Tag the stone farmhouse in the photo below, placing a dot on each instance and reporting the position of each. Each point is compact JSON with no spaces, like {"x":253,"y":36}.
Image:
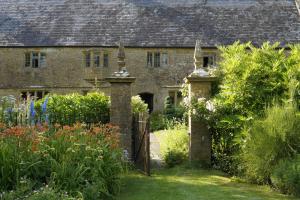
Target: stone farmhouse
{"x":66,"y":46}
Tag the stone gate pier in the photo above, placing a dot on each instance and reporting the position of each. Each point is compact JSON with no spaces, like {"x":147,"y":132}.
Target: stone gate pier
{"x":120,"y":110}
{"x":199,"y":84}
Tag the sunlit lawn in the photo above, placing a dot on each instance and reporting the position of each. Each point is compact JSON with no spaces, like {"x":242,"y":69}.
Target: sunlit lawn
{"x":191,"y":184}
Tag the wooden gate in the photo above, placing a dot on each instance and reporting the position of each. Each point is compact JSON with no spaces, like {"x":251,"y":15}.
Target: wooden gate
{"x":141,"y":142}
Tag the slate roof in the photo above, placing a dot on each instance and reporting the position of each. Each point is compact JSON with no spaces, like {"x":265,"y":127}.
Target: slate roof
{"x":147,"y":23}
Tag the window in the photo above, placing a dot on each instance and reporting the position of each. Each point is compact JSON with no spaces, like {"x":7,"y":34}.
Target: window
{"x":208,"y":61}
{"x":97,"y":59}
{"x":88,"y":59}
{"x":165,"y":59}
{"x":149,"y":59}
{"x":27,"y":59}
{"x":35,"y":59}
{"x":105,"y":60}
{"x":39,"y":94}
{"x":42,"y":59}
{"x":175,"y":97}
{"x":93,"y":58}
{"x":157,"y":59}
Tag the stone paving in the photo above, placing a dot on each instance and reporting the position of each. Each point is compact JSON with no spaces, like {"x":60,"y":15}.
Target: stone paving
{"x":156,"y":159}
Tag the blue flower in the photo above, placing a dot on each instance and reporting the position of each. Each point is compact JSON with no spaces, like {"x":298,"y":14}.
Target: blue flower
{"x":32,"y":110}
{"x":44,"y":106}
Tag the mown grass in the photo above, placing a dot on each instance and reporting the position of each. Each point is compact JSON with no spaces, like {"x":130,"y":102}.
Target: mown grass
{"x":183,"y":183}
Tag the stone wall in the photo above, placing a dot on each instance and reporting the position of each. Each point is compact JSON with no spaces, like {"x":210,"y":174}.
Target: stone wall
{"x":65,"y":71}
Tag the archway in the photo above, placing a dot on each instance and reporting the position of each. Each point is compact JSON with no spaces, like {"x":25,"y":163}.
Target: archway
{"x":148,"y":99}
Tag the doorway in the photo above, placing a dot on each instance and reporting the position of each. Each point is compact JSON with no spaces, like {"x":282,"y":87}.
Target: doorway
{"x":148,"y":99}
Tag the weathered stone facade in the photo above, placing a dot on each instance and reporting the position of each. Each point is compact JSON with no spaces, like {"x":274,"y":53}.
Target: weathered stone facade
{"x":65,"y":71}
{"x":64,"y":30}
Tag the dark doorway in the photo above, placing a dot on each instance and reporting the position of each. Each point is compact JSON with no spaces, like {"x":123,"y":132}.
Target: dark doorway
{"x":148,"y":99}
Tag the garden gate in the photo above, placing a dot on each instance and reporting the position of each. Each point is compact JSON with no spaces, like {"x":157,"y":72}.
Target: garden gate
{"x":141,"y":142}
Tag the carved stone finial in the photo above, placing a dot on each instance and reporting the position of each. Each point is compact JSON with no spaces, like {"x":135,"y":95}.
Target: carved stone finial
{"x":121,"y":62}
{"x":121,"y":56}
{"x":198,"y":55}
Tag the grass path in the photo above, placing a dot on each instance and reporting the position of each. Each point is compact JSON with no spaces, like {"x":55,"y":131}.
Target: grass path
{"x":191,"y":184}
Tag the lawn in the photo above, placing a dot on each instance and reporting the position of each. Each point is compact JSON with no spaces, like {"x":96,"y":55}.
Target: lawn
{"x":183,"y":183}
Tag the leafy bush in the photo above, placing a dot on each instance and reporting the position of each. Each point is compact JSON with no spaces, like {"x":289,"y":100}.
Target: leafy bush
{"x":286,"y":176}
{"x":138,"y":105}
{"x":173,"y":112}
{"x":71,"y":159}
{"x":251,"y":79}
{"x":159,"y":121}
{"x":69,"y":109}
{"x":174,"y":145}
{"x":269,"y":141}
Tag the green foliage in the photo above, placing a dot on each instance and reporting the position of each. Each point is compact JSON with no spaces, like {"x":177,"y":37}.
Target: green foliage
{"x":270,"y":140}
{"x":171,"y":111}
{"x":174,"y":145}
{"x":169,"y":118}
{"x":251,"y":79}
{"x":69,"y":109}
{"x":286,"y":176}
{"x":72,"y":159}
{"x":138,"y":105}
{"x":159,"y":121}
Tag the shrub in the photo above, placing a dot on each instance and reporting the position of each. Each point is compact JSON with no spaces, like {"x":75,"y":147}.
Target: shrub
{"x":286,"y":176}
{"x":159,"y":121}
{"x":269,"y":141}
{"x":69,"y":109}
{"x":138,"y":105}
{"x":250,"y":79}
{"x":174,"y":145}
{"x":71,"y":159}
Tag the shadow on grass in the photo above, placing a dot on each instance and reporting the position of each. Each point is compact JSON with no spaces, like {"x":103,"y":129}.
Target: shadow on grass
{"x":191,"y":184}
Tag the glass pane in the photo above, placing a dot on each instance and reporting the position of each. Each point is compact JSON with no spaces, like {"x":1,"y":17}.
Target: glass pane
{"x":97,"y":60}
{"x":43,"y":60}
{"x":35,"y":60}
{"x":164,"y":59}
{"x":88,"y":59}
{"x":105,"y":60}
{"x":27,"y":59}
{"x":149,"y":59}
{"x":157,"y":60}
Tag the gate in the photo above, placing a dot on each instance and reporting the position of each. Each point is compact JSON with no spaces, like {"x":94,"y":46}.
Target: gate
{"x":141,"y":142}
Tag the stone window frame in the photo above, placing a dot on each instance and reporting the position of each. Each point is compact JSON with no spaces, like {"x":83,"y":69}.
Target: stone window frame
{"x":28,"y":61}
{"x":163,"y":56}
{"x":175,"y":96}
{"x":105,"y":57}
{"x":93,"y":61}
